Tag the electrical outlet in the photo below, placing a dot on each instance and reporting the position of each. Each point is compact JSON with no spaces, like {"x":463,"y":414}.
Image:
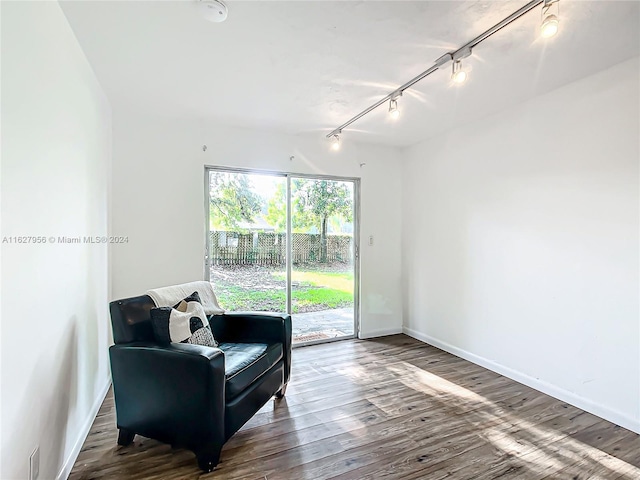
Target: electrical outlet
{"x":34,"y":464}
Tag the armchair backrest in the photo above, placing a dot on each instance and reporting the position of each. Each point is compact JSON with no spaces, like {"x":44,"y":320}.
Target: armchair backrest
{"x":131,"y":320}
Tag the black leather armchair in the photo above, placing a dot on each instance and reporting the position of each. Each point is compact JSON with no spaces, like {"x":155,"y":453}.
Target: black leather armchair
{"x":193,"y":396}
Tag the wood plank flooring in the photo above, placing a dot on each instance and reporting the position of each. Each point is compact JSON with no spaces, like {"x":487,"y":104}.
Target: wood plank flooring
{"x":391,"y":408}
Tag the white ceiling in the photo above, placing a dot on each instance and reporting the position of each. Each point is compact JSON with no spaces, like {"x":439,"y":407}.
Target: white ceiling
{"x":305,"y":66}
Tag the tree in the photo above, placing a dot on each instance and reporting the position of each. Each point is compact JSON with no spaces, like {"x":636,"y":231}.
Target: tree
{"x":232,"y":200}
{"x":319,"y":200}
{"x":277,"y":209}
{"x":276,"y":214}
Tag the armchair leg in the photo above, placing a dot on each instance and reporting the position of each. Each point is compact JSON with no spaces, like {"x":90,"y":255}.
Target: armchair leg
{"x":280,"y":393}
{"x":125,"y":437}
{"x":208,"y":457}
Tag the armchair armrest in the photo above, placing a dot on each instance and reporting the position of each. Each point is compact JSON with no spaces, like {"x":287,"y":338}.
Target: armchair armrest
{"x":255,"y":327}
{"x":173,"y":392}
{"x":251,"y":327}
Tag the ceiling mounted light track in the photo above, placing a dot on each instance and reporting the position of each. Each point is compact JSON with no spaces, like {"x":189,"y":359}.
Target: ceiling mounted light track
{"x":458,"y":74}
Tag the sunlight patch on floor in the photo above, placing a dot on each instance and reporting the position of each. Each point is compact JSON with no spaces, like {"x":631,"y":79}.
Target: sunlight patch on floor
{"x":496,"y":427}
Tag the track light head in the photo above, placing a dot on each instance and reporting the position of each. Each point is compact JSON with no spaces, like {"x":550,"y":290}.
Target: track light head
{"x":550,"y":22}
{"x":393,"y":109}
{"x":549,"y":26}
{"x":458,"y":75}
{"x":335,"y":143}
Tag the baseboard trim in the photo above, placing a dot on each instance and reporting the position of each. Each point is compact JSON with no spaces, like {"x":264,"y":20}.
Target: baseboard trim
{"x":544,"y":387}
{"x":84,"y":432}
{"x":380,"y":333}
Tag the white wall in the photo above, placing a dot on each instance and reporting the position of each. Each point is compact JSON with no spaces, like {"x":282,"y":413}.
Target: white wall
{"x":158,"y":202}
{"x":55,"y":164}
{"x":520,"y":243}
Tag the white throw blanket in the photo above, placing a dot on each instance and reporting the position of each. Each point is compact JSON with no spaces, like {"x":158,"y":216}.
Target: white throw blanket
{"x":169,"y":296}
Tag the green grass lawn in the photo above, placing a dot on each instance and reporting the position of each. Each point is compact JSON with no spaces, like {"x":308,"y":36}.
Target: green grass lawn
{"x":311,"y":291}
{"x":340,"y":281}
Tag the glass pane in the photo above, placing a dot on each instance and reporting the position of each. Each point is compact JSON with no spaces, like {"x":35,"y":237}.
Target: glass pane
{"x":322,"y":283}
{"x":247,"y":244}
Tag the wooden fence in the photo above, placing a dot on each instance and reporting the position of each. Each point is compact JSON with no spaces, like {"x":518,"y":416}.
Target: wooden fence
{"x":265,"y":248}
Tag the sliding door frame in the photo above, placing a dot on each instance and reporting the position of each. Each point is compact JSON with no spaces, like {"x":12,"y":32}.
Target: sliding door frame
{"x":288,"y":176}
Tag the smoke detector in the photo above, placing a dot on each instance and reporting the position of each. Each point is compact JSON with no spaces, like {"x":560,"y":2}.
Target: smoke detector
{"x":213,"y":10}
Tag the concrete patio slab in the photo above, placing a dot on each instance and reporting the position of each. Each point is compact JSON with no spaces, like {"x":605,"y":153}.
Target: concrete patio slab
{"x":333,"y":323}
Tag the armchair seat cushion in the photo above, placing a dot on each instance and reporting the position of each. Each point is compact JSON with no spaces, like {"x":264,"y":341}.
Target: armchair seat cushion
{"x":245,"y":362}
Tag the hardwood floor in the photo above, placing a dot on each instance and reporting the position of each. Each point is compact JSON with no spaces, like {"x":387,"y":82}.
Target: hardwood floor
{"x":390,"y":408}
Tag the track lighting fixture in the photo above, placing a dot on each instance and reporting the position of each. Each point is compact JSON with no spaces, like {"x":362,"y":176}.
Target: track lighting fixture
{"x":393,"y":109}
{"x":548,"y":28}
{"x":458,"y":75}
{"x":550,"y":23}
{"x":335,"y":142}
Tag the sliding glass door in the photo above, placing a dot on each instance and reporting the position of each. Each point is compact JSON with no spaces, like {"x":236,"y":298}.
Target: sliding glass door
{"x":285,"y":243}
{"x":322,"y":258}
